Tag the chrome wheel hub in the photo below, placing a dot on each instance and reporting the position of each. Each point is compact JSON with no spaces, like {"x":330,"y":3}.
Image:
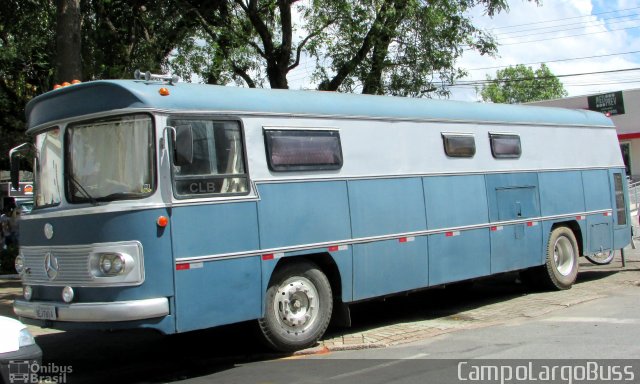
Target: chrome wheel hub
{"x":563,"y":256}
{"x":296,"y":305}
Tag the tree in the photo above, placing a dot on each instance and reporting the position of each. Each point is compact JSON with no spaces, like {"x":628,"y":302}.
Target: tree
{"x":39,"y":47}
{"x":120,"y":36}
{"x":521,"y":84}
{"x":247,"y":41}
{"x":68,"y":40}
{"x":400,"y":47}
{"x":27,"y":46}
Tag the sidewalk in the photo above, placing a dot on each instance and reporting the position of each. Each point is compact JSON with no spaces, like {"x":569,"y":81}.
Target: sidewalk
{"x":528,"y":305}
{"x":594,"y":282}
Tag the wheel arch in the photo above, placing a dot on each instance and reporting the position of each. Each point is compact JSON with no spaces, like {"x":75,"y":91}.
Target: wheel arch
{"x":577,"y":232}
{"x":325,"y":262}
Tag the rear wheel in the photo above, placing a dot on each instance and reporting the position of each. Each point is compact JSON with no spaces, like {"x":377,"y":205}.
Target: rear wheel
{"x":298,"y":307}
{"x":561,"y":266}
{"x":601,"y":258}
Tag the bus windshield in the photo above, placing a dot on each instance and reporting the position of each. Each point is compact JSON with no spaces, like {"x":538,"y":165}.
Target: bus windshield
{"x":110,"y":159}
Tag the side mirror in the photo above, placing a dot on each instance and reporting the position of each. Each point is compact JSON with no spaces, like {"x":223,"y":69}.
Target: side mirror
{"x":15,"y":172}
{"x":14,"y":158}
{"x":183,"y":145}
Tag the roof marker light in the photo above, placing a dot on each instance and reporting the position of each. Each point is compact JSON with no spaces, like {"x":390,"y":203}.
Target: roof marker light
{"x":164,"y":91}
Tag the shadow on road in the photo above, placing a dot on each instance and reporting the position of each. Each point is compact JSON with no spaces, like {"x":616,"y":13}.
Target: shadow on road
{"x":144,"y":356}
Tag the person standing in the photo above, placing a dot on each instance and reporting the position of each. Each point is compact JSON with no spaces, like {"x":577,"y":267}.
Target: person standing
{"x":5,"y":231}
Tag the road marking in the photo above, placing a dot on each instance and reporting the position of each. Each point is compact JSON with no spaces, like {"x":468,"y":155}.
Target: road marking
{"x":377,"y":367}
{"x":594,"y":320}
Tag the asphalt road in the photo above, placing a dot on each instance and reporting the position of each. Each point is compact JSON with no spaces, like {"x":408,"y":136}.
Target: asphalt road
{"x":604,"y":328}
{"x":597,"y":337}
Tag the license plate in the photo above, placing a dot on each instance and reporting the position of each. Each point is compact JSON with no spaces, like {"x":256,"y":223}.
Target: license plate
{"x":46,"y":312}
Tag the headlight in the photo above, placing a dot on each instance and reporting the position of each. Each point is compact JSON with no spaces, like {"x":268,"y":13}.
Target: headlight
{"x":19,"y":264}
{"x":116,"y":264}
{"x":113,"y":264}
{"x":25,"y":338}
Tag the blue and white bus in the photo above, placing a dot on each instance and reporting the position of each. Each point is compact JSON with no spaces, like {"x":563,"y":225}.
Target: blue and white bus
{"x":179,"y":206}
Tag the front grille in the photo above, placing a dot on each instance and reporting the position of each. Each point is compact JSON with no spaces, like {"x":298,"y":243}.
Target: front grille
{"x":73,"y":265}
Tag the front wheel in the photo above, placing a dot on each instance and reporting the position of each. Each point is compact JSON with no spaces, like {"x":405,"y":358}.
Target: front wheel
{"x":298,"y":307}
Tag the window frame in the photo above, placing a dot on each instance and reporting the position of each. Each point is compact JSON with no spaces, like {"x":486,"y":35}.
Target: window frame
{"x":171,"y":149}
{"x":620,"y":211}
{"x":268,"y":139}
{"x":445,"y":140}
{"x":504,"y":135}
{"x":36,"y":166}
{"x":152,"y":158}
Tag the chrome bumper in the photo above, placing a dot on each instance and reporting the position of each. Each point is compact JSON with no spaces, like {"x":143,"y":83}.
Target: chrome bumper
{"x":97,"y":312}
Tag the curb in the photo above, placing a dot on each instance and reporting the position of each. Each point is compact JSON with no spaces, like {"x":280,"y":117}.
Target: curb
{"x":529,"y":306}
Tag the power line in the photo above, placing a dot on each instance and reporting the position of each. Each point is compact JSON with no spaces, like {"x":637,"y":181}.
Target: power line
{"x":558,"y":60}
{"x":507,"y":36}
{"x":583,"y":23}
{"x":490,"y":81}
{"x":566,"y":18}
{"x":564,"y":37}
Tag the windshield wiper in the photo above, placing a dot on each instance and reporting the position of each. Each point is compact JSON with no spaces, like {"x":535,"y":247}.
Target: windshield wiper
{"x":118,"y":195}
{"x":80,"y":188}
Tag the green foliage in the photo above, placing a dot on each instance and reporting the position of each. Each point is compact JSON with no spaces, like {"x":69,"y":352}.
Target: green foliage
{"x":521,"y":84}
{"x":120,"y":36}
{"x":27,"y":44}
{"x":397,"y":47}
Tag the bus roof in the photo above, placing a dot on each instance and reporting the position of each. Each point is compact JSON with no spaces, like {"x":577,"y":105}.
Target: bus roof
{"x":106,"y":95}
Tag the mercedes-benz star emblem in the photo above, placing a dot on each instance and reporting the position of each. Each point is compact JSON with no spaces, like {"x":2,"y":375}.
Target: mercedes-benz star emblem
{"x":51,"y":265}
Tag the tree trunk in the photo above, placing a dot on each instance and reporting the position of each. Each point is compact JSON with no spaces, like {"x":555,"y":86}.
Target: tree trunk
{"x":68,"y":42}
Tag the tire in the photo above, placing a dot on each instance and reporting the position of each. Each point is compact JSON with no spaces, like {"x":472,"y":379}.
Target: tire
{"x":298,"y":307}
{"x":560,"y":269}
{"x":601,"y":258}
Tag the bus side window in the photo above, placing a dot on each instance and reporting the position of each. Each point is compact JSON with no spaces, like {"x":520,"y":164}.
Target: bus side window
{"x":459,"y":144}
{"x":303,"y":150}
{"x":505,"y":145}
{"x":217,"y":166}
{"x":620,"y":205}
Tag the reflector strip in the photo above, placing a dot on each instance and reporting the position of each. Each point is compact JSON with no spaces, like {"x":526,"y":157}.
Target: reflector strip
{"x":607,"y":213}
{"x":497,"y":228}
{"x":271,"y":256}
{"x":406,"y":239}
{"x":532,"y":223}
{"x":336,"y":248}
{"x":453,"y":233}
{"x":580,"y":217}
{"x":182,"y":267}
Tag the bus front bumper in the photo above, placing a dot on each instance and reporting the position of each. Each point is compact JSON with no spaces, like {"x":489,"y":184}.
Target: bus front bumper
{"x":93,"y":312}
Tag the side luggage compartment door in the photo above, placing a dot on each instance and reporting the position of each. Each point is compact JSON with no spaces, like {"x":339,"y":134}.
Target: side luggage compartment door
{"x":515,"y":242}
